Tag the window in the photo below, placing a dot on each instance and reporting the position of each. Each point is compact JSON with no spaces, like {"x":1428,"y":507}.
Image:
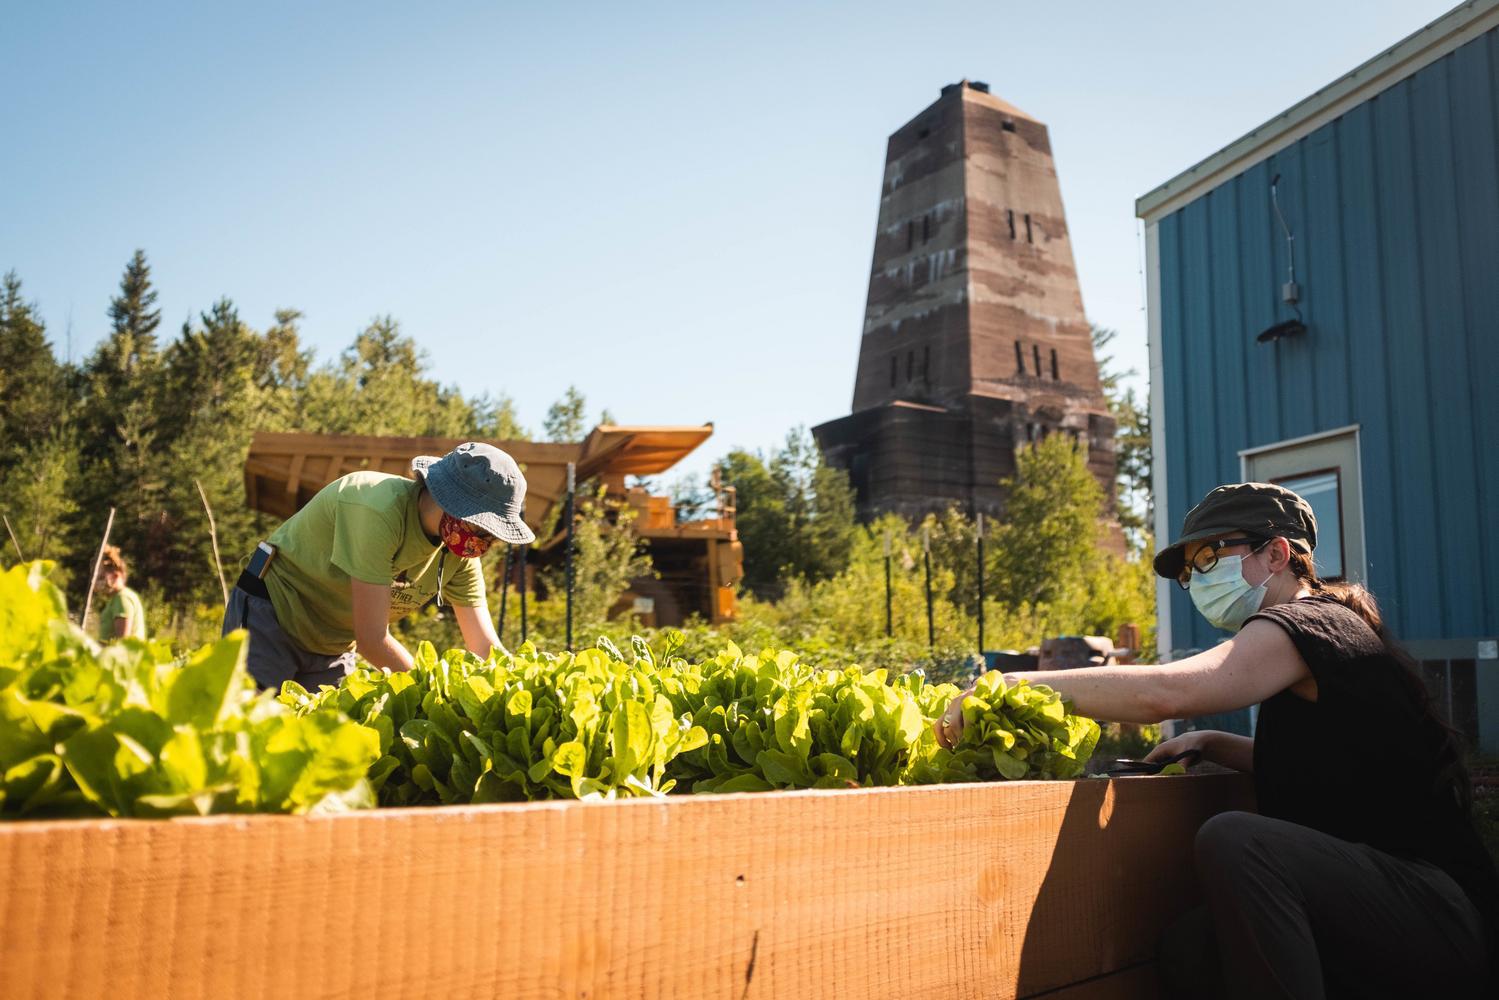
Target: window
{"x":1036,"y":353}
{"x":926,"y":228}
{"x":1055,"y":375}
{"x":1028,"y":238}
{"x":1323,"y":469}
{"x":1010,"y":217}
{"x":926,"y":364}
{"x":923,"y":133}
{"x":1007,"y":125}
{"x":910,"y":234}
{"x":1019,"y":359}
{"x":1321,"y":490}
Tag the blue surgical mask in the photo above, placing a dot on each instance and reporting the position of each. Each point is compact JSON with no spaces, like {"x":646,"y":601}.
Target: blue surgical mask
{"x":1223,"y":596}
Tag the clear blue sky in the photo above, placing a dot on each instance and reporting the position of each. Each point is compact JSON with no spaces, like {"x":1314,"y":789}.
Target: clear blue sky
{"x":671,"y":206}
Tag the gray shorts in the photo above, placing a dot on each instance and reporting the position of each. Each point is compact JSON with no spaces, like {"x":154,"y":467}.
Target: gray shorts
{"x":273,"y":656}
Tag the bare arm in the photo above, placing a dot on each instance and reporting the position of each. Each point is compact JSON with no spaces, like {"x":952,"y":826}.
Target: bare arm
{"x":121,"y":626}
{"x":478,"y":630}
{"x":1258,"y":663}
{"x":372,"y":636}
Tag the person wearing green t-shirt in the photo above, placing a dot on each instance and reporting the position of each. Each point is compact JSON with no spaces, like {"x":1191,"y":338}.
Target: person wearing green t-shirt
{"x":369,"y":549}
{"x":123,"y":616}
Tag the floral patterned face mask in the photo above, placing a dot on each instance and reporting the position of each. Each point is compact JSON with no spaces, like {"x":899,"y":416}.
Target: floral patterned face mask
{"x":462,"y":540}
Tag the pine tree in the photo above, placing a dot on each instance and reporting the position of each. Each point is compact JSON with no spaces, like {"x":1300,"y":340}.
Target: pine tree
{"x":795,"y":514}
{"x":1050,"y":534}
{"x":32,"y":383}
{"x":494,"y":419}
{"x":118,"y":375}
{"x":118,"y":423}
{"x":564,"y":420}
{"x":131,"y":316}
{"x":1135,"y":508}
{"x":380,"y":386}
{"x":38,"y":462}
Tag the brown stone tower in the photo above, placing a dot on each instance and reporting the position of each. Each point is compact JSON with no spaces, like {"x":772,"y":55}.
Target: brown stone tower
{"x":975,"y":342}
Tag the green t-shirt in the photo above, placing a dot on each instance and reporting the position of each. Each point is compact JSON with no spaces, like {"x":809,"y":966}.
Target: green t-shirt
{"x":364,"y":526}
{"x":125,"y":604}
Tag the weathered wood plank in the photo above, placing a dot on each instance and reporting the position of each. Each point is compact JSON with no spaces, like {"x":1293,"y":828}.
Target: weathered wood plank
{"x":946,"y":892}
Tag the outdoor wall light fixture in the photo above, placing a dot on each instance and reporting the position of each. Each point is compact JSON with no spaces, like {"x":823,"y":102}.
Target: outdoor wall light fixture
{"x":1290,"y":292}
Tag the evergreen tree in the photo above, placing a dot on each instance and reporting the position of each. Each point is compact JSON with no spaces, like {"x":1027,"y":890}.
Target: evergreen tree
{"x":1135,"y":508}
{"x":1049,"y":537}
{"x":795,"y":514}
{"x":380,"y":386}
{"x":819,"y":506}
{"x":494,"y":419}
{"x":37,"y":495}
{"x":38,"y":464}
{"x":219,"y":386}
{"x":131,"y":315}
{"x":281,"y":373}
{"x":32,"y":383}
{"x":564,"y":420}
{"x":118,"y":374}
{"x":117,"y":423}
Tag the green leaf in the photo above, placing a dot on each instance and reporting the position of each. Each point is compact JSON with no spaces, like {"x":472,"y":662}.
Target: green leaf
{"x":198,"y":693}
{"x":569,"y":759}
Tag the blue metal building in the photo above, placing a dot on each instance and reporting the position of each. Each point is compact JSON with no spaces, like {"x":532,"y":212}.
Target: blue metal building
{"x":1384,"y":410}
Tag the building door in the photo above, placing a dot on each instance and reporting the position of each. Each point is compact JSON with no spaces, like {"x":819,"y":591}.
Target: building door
{"x":1324,"y":470}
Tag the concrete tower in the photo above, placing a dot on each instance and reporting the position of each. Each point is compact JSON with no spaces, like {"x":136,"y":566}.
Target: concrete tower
{"x":975,"y":343}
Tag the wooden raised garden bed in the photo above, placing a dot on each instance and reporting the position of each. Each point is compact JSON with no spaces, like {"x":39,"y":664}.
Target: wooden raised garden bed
{"x":996,"y":890}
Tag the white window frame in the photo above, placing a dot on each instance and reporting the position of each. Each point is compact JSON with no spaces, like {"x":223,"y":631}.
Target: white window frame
{"x":1355,"y":571}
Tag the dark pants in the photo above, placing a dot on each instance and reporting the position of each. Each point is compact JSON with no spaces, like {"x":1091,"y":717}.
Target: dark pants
{"x":272,"y":656}
{"x":1292,"y":912}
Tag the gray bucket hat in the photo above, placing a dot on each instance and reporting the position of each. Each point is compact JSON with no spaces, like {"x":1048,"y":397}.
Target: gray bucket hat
{"x":481,"y":486}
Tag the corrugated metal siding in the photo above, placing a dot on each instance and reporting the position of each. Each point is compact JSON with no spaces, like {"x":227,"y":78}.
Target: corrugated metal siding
{"x":1395,"y":208}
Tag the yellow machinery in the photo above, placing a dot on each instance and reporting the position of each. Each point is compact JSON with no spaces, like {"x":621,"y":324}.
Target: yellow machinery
{"x":697,"y":562}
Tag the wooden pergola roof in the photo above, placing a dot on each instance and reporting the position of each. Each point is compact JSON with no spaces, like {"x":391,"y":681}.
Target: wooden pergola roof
{"x":284,"y":471}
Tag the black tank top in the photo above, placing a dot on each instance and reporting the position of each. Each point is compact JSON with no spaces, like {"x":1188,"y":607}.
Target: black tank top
{"x":1363,"y":762}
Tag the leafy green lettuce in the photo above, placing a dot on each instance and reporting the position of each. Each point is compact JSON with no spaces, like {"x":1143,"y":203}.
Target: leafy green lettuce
{"x":603,"y":724}
{"x":127,"y":730}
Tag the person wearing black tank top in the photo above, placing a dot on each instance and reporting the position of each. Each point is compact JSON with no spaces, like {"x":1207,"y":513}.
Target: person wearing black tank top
{"x":1361,"y":874}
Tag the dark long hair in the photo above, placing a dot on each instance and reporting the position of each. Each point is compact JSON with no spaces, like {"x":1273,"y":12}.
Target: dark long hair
{"x":1451,"y":772}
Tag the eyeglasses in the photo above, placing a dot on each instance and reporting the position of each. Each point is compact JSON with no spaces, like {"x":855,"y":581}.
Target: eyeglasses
{"x":1207,"y":557}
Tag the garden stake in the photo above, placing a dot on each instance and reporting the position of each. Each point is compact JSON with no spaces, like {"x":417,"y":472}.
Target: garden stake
{"x":926,"y":555}
{"x":88,"y":598}
{"x":571,"y":530}
{"x":981,"y":582}
{"x":505,"y":589}
{"x":11,"y":531}
{"x":521,"y":584}
{"x":213,"y":536}
{"x":888,"y":630}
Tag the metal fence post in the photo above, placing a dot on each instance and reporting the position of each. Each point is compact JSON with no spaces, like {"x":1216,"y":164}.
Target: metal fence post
{"x":521,"y":584}
{"x":981,"y":581}
{"x":926,"y":554}
{"x":571,"y":531}
{"x":505,"y":588}
{"x":889,"y":620}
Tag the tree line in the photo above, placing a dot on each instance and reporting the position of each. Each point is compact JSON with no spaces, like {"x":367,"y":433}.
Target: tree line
{"x":142,"y":420}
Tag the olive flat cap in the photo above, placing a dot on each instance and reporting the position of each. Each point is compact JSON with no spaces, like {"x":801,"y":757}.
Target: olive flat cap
{"x":1261,"y":509}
